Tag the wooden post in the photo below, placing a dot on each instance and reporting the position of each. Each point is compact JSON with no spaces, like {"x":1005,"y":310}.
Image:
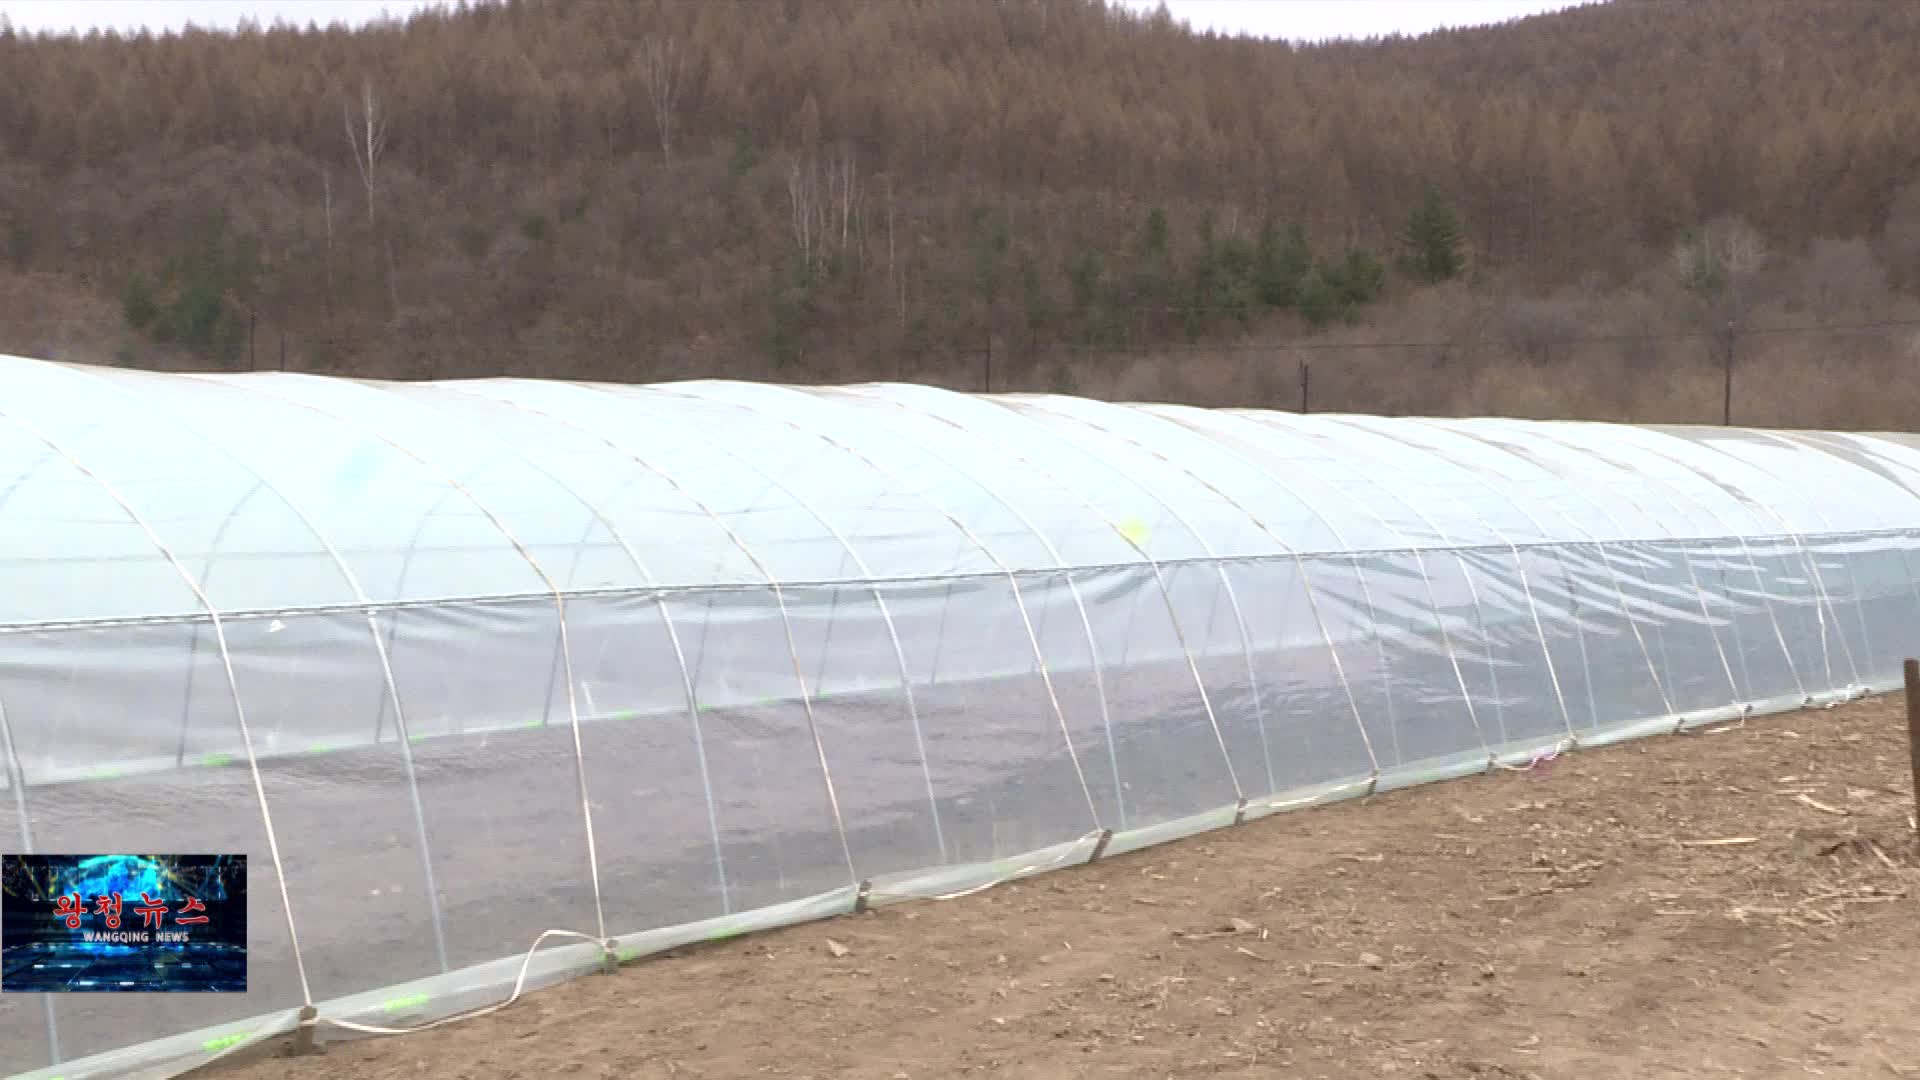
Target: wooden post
{"x":1913,"y":731}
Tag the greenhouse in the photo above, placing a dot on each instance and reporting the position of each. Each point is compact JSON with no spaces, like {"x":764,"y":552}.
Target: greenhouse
{"x":467,"y":668}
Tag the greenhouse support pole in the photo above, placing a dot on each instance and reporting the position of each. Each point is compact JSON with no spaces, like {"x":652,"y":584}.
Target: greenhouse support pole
{"x":17,"y":780}
{"x":1013,"y":581}
{"x":699,"y":750}
{"x":193,"y":646}
{"x":1173,"y":615}
{"x":232,"y":679}
{"x":413,"y":789}
{"x":186,"y":700}
{"x":691,"y":677}
{"x":1073,"y":590}
{"x":1466,"y":572}
{"x":399,"y":587}
{"x":1753,"y":564}
{"x":307,"y":1016}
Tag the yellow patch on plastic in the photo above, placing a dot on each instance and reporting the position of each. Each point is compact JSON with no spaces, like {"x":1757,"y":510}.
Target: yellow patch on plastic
{"x":1135,"y":531}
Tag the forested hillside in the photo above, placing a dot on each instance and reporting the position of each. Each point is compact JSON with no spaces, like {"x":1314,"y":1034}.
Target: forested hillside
{"x":847,"y":189}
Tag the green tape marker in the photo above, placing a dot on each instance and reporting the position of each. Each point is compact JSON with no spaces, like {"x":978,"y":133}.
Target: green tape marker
{"x":408,"y":1002}
{"x":531,"y":723}
{"x":104,"y":773}
{"x":627,"y":714}
{"x":216,"y":760}
{"x":215,"y":1045}
{"x":722,"y":935}
{"x":627,"y":956}
{"x":416,"y":738}
{"x":320,"y":748}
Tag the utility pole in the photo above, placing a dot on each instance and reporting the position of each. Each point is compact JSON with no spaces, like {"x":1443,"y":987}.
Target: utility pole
{"x":1726,"y":402}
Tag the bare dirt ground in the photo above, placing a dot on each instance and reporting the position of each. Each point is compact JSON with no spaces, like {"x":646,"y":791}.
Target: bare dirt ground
{"x":1737,"y":902}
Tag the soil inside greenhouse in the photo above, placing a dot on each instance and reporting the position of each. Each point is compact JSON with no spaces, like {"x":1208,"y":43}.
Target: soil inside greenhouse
{"x":1739,"y":901}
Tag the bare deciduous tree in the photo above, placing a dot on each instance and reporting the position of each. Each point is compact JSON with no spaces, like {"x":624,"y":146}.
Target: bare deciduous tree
{"x":826,"y":202}
{"x":660,"y":61}
{"x":843,"y":180}
{"x":894,"y":278}
{"x":803,"y":197}
{"x":1718,"y":264}
{"x":367,"y":136}
{"x":326,"y":208}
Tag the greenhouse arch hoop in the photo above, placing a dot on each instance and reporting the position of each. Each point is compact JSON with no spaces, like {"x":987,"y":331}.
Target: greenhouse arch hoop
{"x":463,"y":666}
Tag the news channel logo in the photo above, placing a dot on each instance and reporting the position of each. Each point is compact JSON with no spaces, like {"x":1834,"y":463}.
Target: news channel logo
{"x":123,"y":923}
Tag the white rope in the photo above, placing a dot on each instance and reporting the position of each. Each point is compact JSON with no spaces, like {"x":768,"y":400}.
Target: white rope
{"x":519,"y":987}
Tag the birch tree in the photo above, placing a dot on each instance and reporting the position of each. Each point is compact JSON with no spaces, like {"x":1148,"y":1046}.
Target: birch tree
{"x":367,"y":137}
{"x":661,"y":66}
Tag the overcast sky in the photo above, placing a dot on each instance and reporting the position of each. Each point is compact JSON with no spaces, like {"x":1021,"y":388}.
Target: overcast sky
{"x":1298,"y":19}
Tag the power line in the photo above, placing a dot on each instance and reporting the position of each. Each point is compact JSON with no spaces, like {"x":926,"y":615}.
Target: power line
{"x":1042,"y":342}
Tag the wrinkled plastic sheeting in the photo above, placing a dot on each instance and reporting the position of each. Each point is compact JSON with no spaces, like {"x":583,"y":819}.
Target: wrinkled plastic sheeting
{"x":755,"y":758}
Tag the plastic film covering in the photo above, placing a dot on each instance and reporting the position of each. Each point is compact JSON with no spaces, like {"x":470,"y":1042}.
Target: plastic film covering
{"x":460,"y":664}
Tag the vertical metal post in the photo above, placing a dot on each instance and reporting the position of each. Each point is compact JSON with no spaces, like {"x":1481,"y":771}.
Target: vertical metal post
{"x":1306,"y":372}
{"x":1913,"y":732}
{"x":16,"y":774}
{"x":1726,"y":403}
